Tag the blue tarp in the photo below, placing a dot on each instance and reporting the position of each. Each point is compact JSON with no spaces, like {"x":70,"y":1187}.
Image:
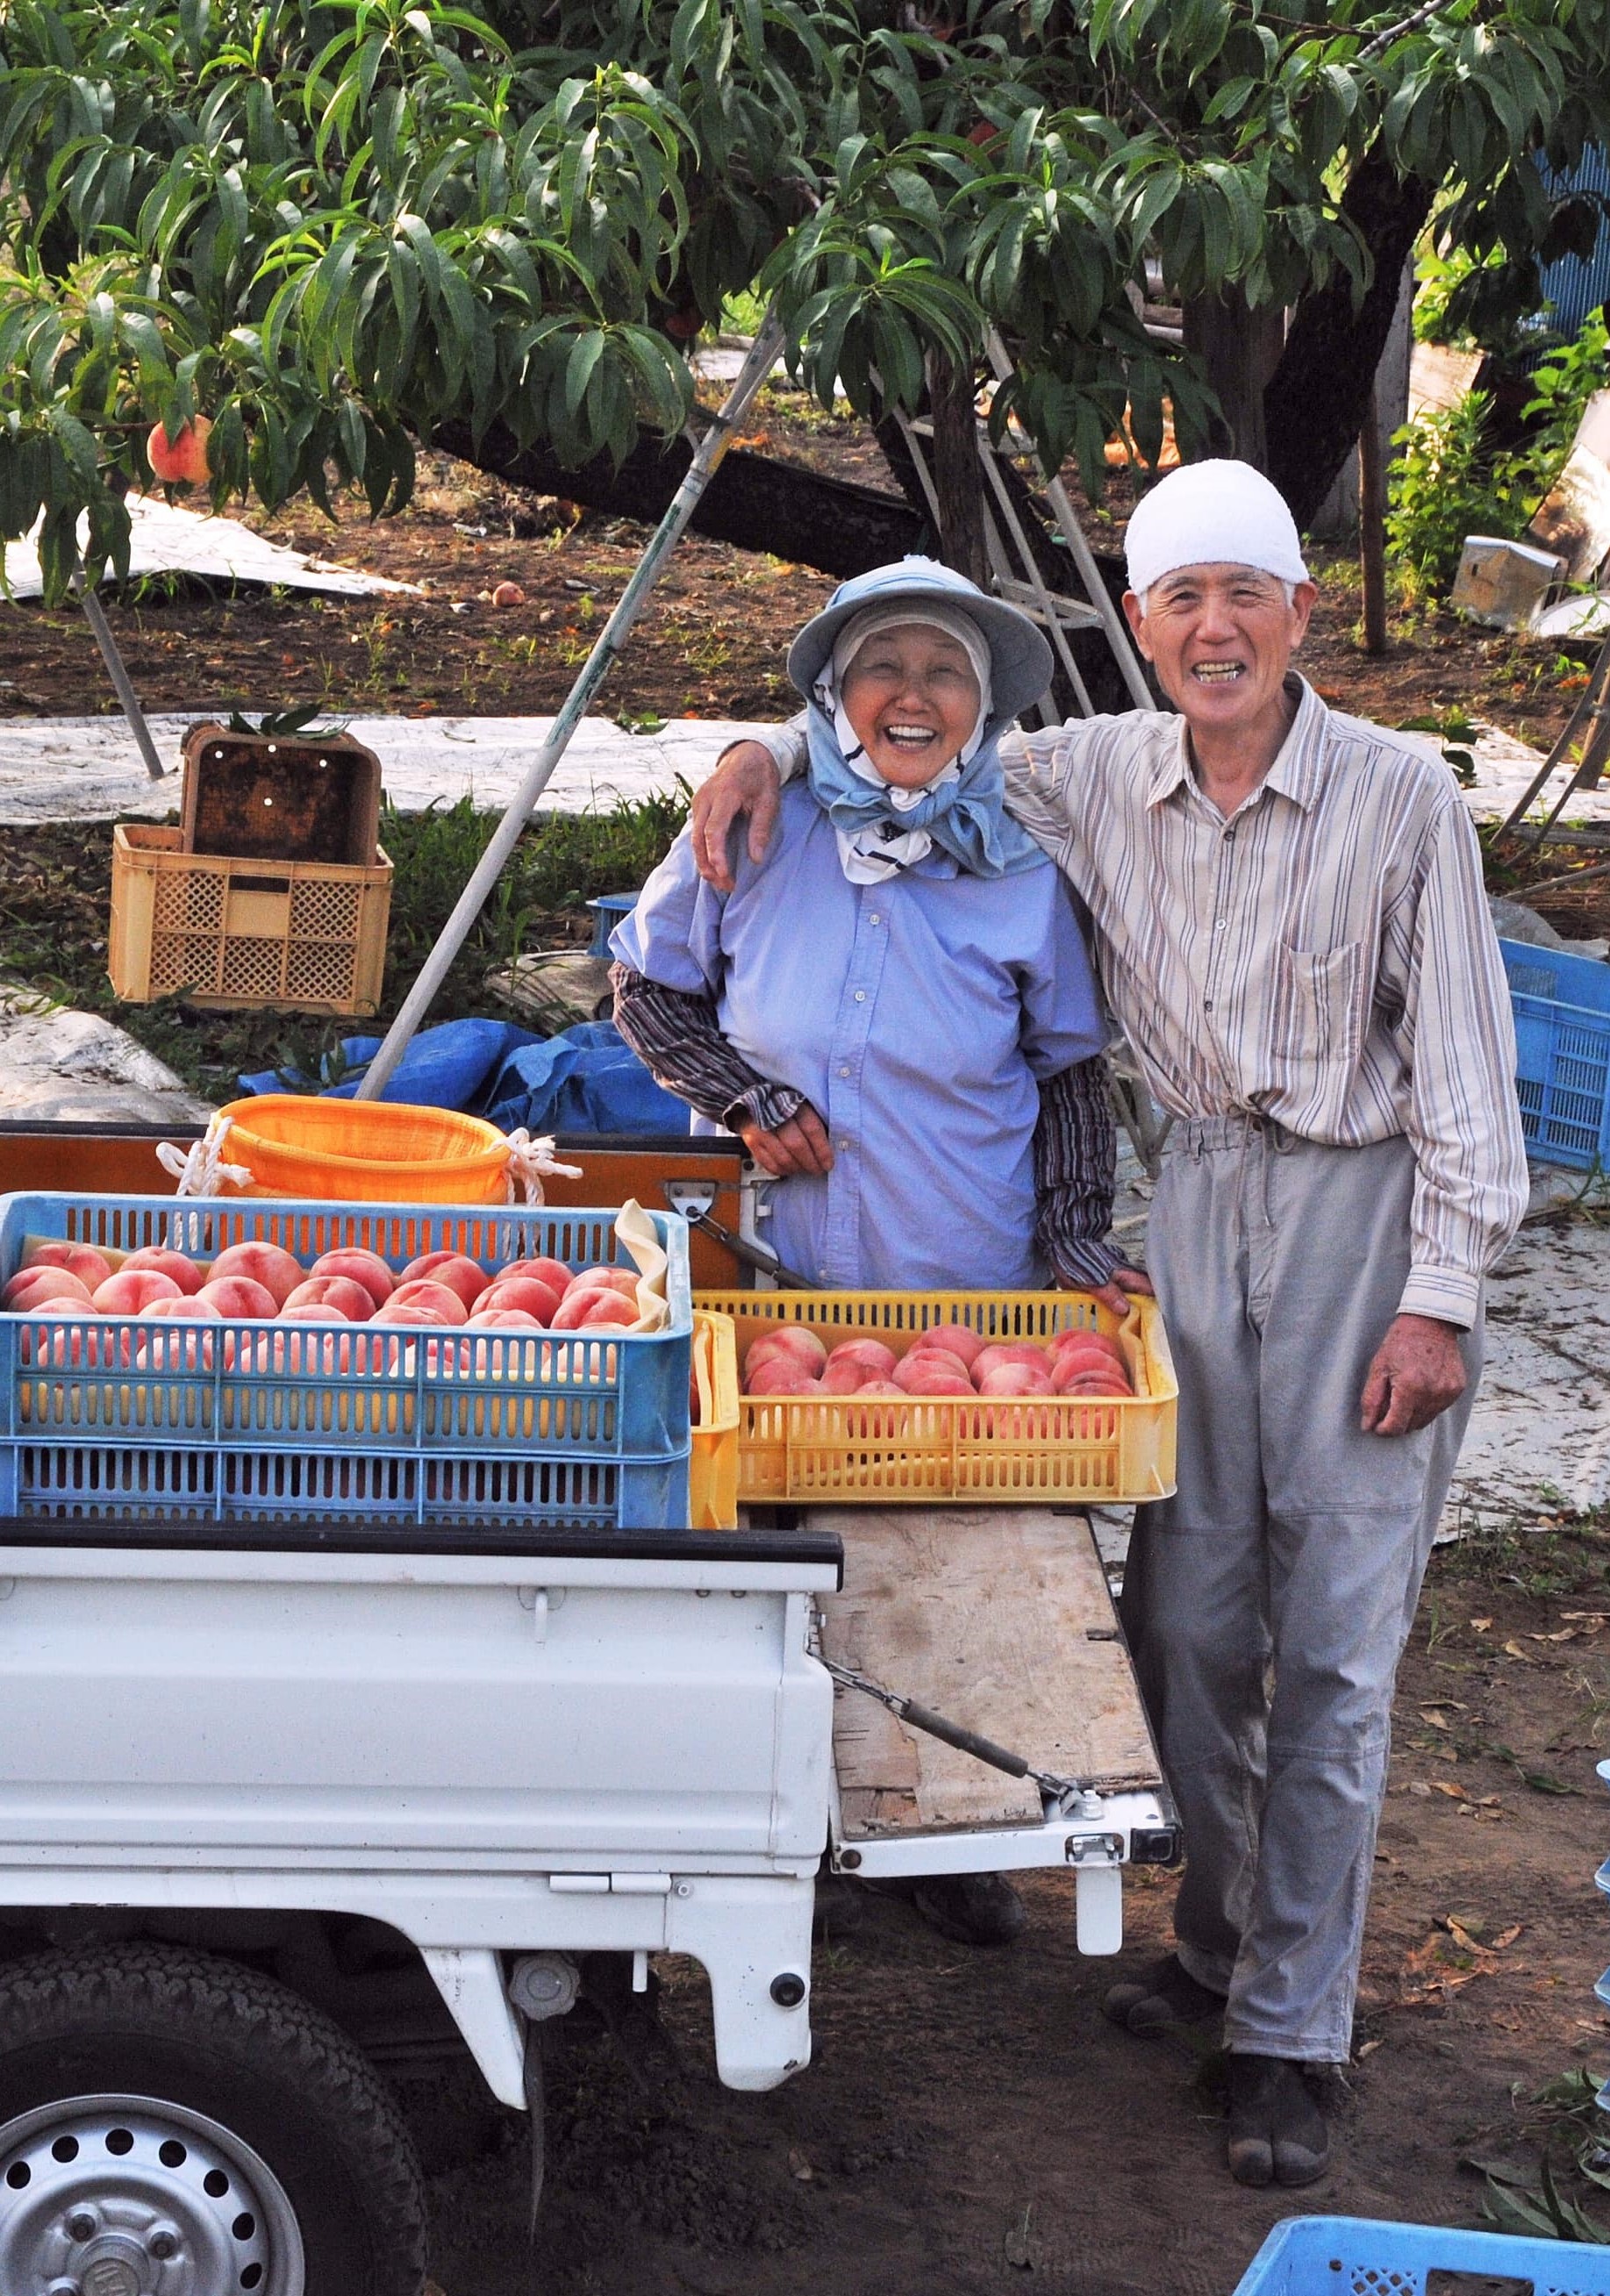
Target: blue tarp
{"x":587,"y":1080}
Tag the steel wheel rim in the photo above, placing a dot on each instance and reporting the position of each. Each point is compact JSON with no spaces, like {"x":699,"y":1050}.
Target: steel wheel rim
{"x":122,"y":2195}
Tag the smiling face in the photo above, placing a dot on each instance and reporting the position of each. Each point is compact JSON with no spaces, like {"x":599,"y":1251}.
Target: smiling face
{"x":1222,"y":639}
{"x":911,"y":695}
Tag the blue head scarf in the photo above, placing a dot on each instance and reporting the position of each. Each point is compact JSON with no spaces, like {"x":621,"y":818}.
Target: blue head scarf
{"x":961,"y":812}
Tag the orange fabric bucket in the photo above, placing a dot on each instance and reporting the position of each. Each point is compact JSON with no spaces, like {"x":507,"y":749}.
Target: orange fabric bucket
{"x":365,"y":1150}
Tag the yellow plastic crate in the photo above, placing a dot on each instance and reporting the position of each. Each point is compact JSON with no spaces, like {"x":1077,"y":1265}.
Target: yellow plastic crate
{"x":712,"y":1487}
{"x":847,"y":1450}
{"x":242,"y":935}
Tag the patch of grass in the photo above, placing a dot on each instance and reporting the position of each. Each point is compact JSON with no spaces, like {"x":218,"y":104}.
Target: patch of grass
{"x":1568,"y":1554}
{"x":55,"y":893}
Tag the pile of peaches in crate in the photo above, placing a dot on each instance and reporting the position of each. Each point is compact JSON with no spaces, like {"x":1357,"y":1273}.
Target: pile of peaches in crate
{"x":66,"y":1285}
{"x":945,"y":1360}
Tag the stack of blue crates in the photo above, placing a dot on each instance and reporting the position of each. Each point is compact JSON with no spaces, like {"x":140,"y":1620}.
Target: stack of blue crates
{"x":361,"y":1425}
{"x":1562,"y":1026}
{"x":1354,"y":2255}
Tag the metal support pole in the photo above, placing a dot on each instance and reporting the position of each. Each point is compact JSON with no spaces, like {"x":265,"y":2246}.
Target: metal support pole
{"x":707,"y":457}
{"x":1084,"y":558}
{"x":122,"y":684}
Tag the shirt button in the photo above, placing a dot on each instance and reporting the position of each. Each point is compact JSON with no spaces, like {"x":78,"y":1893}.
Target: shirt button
{"x":844,"y":1071}
{"x":875,"y":919}
{"x":843,"y":1143}
{"x":1220,"y":925}
{"x":860,"y":995}
{"x":1207,"y":1003}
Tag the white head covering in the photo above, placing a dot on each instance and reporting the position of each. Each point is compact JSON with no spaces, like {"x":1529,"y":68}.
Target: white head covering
{"x":1212,"y":514}
{"x":866,"y":858}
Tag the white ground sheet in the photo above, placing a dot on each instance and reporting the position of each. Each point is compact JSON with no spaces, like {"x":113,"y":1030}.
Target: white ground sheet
{"x":169,"y":539}
{"x":89,"y":768}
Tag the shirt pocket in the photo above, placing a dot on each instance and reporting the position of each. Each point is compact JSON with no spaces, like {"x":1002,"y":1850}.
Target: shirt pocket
{"x":1323,"y":997}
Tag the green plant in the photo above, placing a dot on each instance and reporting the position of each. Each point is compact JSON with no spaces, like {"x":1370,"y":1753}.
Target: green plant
{"x":1444,"y":483}
{"x":1561,"y":387}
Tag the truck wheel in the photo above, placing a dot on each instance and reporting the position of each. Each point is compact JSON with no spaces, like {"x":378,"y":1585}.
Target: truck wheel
{"x":175,"y":2124}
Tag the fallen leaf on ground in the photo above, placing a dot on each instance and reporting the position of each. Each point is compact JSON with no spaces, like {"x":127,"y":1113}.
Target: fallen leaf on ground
{"x":800,"y":2167}
{"x":1446,"y":1786}
{"x":1481,"y":1625}
{"x":1512,"y":1650}
{"x":1506,"y":1937}
{"x":1437,"y":1721}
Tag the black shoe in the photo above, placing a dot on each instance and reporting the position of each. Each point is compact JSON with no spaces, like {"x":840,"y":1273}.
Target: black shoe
{"x":1277,"y":2133}
{"x":1161,"y":1998}
{"x":973,"y":1908}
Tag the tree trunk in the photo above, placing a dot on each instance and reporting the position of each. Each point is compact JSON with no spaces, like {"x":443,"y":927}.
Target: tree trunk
{"x":1314,"y":406}
{"x":752,"y":502}
{"x":957,"y":480}
{"x":1239,"y":349}
{"x":1372,"y":528}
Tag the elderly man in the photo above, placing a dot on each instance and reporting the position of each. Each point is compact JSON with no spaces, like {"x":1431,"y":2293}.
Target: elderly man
{"x":1291,"y":931}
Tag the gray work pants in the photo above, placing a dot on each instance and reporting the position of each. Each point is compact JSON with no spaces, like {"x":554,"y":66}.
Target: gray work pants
{"x":1268,"y":1603}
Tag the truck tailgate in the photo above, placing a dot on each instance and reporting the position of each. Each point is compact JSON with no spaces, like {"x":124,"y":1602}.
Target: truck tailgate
{"x":999,"y":1618}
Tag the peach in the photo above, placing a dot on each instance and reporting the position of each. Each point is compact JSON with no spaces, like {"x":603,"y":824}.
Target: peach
{"x":276,"y":1271}
{"x":454,"y":1269}
{"x":1082,"y":1337}
{"x":348,"y":1301}
{"x":300,"y":1353}
{"x":359,"y":1267}
{"x":91,"y":1267}
{"x":608,"y":1279}
{"x":241,"y":1297}
{"x":31,"y":1287}
{"x":1009,"y":1352}
{"x":777,"y":1375}
{"x":584,"y":1306}
{"x":504,"y":1319}
{"x":916,"y":1373}
{"x":44,"y":1340}
{"x":881,"y":1387}
{"x":795,"y":1342}
{"x":844,"y":1376}
{"x":528,"y":1294}
{"x":126,"y":1295}
{"x":1016,"y":1379}
{"x":184,"y":1272}
{"x":180,"y":458}
{"x":446,"y":1305}
{"x":1095,"y":1382}
{"x":925,"y":1381}
{"x":322,"y":1311}
{"x":181,"y":1350}
{"x":421,"y":1310}
{"x":1072,"y":1371}
{"x":878,"y":1359}
{"x":956,"y":1338}
{"x":552,"y":1272}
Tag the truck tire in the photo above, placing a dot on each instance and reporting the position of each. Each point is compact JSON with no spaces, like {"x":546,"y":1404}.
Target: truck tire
{"x":171,"y":2120}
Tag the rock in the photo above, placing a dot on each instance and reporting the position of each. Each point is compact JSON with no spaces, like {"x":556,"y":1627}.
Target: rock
{"x":63,"y":1067}
{"x":1513,"y":921}
{"x":554,"y":988}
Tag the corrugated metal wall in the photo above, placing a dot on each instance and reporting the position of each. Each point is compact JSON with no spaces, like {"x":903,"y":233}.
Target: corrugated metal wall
{"x":1575,"y":288}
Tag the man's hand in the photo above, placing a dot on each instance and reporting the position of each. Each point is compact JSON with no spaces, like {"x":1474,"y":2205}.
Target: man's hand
{"x":800,"y":1145}
{"x":1126,"y":1281}
{"x":745,"y":782}
{"x":1417,"y":1372}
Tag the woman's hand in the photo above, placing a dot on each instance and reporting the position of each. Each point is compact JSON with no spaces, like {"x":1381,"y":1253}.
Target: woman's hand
{"x":745,"y":782}
{"x":800,"y":1145}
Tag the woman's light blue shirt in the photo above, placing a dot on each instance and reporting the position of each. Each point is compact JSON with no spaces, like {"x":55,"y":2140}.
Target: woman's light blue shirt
{"x":916,"y":1016}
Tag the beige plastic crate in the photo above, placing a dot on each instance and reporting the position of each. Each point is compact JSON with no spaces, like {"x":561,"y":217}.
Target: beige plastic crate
{"x":238,"y":935}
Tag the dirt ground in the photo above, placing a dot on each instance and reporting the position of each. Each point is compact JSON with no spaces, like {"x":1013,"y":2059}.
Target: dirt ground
{"x":971,"y":2122}
{"x":711,"y":642}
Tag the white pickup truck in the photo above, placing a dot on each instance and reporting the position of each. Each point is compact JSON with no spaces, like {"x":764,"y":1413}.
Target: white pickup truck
{"x":247,"y":1778}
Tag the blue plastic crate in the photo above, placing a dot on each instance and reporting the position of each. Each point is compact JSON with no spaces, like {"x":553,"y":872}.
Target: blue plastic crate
{"x":608,"y":910}
{"x":1562,"y":1028}
{"x":1352,"y":2255}
{"x":307,"y":1422}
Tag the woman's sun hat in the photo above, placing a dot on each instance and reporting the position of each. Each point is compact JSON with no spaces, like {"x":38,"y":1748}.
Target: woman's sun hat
{"x":1020,"y":657}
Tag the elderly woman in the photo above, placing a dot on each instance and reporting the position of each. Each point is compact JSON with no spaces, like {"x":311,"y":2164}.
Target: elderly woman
{"x":894,"y":1009}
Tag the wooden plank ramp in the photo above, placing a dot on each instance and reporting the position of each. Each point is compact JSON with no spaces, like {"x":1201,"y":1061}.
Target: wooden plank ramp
{"x":998,"y":1618}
